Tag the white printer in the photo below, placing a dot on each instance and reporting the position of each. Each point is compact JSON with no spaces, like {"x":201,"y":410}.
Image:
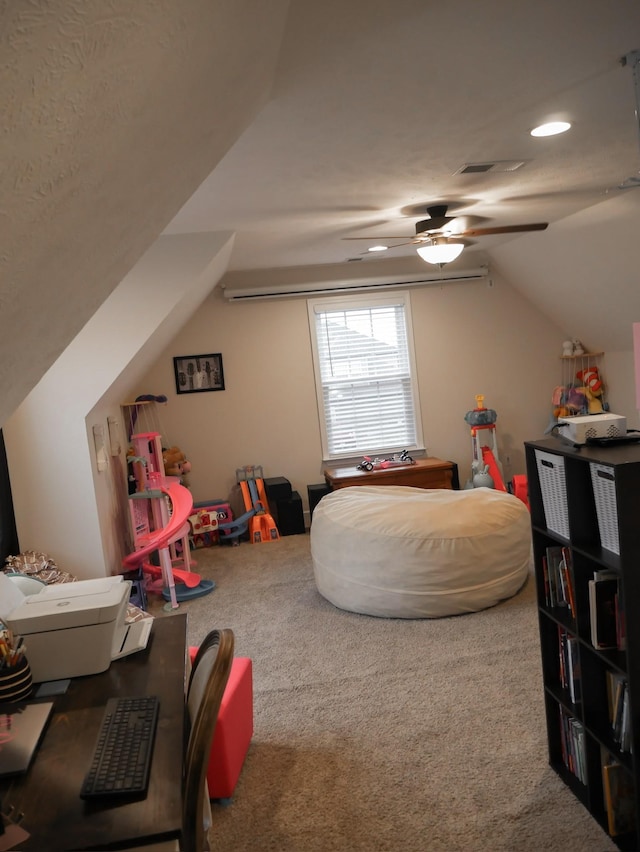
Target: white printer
{"x":73,"y":629}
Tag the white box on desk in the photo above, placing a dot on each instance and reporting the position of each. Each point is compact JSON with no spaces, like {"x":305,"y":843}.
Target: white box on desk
{"x":584,"y":426}
{"x":74,"y":629}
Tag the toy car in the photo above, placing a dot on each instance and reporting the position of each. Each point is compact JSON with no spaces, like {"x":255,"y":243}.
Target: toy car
{"x":369,"y":464}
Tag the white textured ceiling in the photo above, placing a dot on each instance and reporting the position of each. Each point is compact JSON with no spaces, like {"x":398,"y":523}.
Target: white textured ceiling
{"x":378,"y":104}
{"x":112,"y":115}
{"x":115,"y":113}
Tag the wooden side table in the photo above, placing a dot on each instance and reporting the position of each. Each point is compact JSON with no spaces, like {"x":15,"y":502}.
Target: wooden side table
{"x":424,"y":473}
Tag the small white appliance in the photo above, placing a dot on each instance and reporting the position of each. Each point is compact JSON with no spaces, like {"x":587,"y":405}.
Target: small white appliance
{"x":578,"y":429}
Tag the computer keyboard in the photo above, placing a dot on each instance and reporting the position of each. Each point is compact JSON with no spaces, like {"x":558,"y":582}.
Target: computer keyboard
{"x":122,"y":754}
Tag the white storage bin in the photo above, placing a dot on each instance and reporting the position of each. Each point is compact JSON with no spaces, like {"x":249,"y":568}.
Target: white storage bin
{"x":554,"y":492}
{"x":603,"y":481}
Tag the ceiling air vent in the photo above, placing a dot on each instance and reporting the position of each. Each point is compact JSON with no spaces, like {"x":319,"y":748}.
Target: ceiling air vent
{"x":495,"y":166}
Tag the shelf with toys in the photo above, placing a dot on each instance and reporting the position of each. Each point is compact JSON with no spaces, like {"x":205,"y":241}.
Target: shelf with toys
{"x":581,"y":390}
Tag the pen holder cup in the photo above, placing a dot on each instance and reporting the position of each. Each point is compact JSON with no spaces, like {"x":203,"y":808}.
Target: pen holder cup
{"x":15,"y":682}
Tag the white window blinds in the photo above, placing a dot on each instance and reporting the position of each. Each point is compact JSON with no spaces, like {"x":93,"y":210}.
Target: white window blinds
{"x":364,"y":375}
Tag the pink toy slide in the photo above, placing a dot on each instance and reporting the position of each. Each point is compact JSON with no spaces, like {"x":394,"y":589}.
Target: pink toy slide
{"x":176,"y":528}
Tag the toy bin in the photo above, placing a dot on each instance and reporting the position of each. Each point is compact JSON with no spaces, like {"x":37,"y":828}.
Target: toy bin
{"x":603,"y":482}
{"x":554,"y":492}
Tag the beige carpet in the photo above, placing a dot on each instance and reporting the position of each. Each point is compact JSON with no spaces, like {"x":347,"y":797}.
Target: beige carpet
{"x":383,"y":734}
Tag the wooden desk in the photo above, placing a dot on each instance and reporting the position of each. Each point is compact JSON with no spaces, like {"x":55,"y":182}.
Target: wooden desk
{"x":424,"y":473}
{"x":57,"y":819}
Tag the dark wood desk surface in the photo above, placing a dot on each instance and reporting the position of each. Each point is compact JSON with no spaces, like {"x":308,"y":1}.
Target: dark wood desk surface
{"x":57,"y":819}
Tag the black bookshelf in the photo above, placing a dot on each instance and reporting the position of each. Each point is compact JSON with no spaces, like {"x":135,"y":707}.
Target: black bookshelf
{"x":586,"y":500}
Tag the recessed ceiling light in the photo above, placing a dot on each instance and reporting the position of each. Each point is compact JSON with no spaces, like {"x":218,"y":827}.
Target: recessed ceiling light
{"x":377,"y":248}
{"x":552,"y":128}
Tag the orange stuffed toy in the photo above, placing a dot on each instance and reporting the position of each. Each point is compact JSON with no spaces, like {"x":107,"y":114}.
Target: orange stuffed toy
{"x":590,"y":378}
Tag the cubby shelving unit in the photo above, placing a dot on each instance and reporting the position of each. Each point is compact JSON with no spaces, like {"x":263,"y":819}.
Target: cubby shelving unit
{"x":587,"y":501}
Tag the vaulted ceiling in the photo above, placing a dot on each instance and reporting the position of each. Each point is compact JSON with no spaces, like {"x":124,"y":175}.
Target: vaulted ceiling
{"x":380,"y":109}
{"x":297,"y":125}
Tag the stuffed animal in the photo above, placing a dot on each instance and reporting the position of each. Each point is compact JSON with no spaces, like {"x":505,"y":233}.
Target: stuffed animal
{"x":175,"y":462}
{"x":558,"y":400}
{"x":579,"y":398}
{"x":593,"y":389}
{"x":591,"y":378}
{"x":594,"y":403}
{"x":576,"y":400}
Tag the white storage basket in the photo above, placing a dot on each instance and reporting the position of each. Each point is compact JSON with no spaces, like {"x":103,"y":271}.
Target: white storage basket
{"x":604,"y":490}
{"x":554,"y":492}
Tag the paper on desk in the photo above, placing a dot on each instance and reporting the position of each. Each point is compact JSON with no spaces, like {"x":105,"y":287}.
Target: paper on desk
{"x":10,"y":597}
{"x":13,"y":834}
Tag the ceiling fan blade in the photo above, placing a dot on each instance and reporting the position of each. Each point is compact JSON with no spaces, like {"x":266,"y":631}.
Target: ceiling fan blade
{"x":373,"y":239}
{"x":407,"y":242}
{"x":504,"y":229}
{"x":433,"y":224}
{"x":390,"y":248}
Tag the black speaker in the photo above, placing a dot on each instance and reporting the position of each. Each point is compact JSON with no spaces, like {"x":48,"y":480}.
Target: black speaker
{"x":290,"y":515}
{"x":315,"y":493}
{"x":455,"y":478}
{"x":276,"y":488}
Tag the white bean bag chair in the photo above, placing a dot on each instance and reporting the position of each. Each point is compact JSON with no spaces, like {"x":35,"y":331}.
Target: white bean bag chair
{"x":403,"y":552}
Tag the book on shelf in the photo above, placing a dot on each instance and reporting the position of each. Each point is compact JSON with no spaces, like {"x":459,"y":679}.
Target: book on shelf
{"x":575,"y":687}
{"x":569,"y":664}
{"x":619,"y":797}
{"x":619,"y":712}
{"x":604,"y":610}
{"x":572,"y":742}
{"x":545,"y":581}
{"x":620,"y":621}
{"x":562,"y":657}
{"x":623,"y":733}
{"x":558,"y":578}
{"x":615,"y":680}
{"x":566,"y":567}
{"x":553,"y":559}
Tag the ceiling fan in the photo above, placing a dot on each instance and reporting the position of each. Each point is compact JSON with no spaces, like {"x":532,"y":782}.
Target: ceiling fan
{"x":439,"y":244}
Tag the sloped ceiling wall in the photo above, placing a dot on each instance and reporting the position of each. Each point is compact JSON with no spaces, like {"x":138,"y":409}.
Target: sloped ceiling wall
{"x":113,"y":114}
{"x":586,"y":272}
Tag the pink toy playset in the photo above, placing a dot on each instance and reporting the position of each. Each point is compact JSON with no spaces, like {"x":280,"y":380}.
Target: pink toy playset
{"x":160,"y":510}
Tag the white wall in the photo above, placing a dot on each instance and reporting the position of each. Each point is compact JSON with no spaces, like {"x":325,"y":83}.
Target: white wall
{"x":471,"y":338}
{"x":64,"y":506}
{"x":621,"y":386}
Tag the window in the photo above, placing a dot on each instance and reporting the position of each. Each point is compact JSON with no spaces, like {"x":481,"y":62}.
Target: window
{"x":365,"y":375}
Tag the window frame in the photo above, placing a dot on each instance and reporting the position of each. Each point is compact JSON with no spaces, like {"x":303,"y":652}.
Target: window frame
{"x":328,"y":303}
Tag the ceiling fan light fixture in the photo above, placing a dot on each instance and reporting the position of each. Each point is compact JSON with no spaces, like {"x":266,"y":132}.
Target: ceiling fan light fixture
{"x":551,"y":128}
{"x":439,"y":253}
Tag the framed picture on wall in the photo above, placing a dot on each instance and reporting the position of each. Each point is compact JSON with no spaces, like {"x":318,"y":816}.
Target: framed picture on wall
{"x":198,"y":373}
